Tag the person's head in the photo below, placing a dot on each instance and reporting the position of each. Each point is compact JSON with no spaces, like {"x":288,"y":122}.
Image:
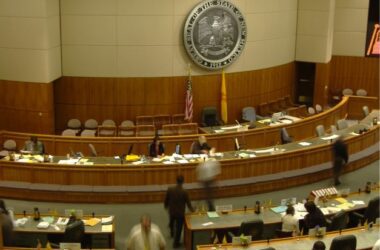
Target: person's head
{"x":145,"y":223}
{"x":3,"y":208}
{"x":180,"y":179}
{"x":319,"y":245}
{"x":290,"y":210}
{"x":202,"y":139}
{"x":310,"y":206}
{"x":34,"y":139}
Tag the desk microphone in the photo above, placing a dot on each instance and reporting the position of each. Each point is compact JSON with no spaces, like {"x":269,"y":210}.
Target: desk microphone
{"x":238,"y":123}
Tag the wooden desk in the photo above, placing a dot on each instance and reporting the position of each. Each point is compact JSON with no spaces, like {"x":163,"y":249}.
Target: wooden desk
{"x":30,"y":230}
{"x":194,"y":222}
{"x":365,"y":240}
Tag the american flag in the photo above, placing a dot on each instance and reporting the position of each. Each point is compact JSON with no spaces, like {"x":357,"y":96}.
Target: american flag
{"x":189,"y":101}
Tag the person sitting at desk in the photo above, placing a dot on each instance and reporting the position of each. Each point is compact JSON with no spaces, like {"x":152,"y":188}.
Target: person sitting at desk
{"x":314,"y":217}
{"x":201,"y":147}
{"x":34,"y":146}
{"x":289,"y":221}
{"x":156,"y":148}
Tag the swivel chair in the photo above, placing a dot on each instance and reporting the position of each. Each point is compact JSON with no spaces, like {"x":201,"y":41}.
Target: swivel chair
{"x":249,"y":114}
{"x":74,"y":233}
{"x":365,"y":111}
{"x":285,"y":137}
{"x":320,"y":130}
{"x":341,"y":124}
{"x":370,"y":214}
{"x":252,"y":228}
{"x":210,"y":117}
{"x":346,"y":242}
{"x":338,"y":221}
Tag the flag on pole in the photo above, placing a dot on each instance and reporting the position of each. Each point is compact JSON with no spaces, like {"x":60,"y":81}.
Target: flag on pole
{"x":189,"y":99}
{"x":223,"y":99}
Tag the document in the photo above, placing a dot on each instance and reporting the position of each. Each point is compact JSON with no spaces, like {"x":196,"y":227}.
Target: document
{"x":358,"y":202}
{"x":279,"y":209}
{"x":331,"y":137}
{"x":91,"y":222}
{"x":207,"y":224}
{"x":182,"y":161}
{"x":269,"y":150}
{"x":341,"y":200}
{"x":107,"y":220}
{"x":304,"y":143}
{"x":107,"y":228}
{"x":212,"y":214}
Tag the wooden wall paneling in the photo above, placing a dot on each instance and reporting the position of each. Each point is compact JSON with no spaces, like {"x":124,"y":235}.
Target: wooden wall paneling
{"x":356,"y":104}
{"x":355,"y":73}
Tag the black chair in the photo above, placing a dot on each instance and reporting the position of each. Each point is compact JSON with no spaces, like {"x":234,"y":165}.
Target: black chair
{"x":74,"y":233}
{"x":370,"y":214}
{"x":285,"y":137}
{"x":338,"y":221}
{"x":252,"y":228}
{"x":210,"y":117}
{"x":343,"y":242}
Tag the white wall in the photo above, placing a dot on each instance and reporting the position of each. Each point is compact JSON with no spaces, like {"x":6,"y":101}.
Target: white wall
{"x":350,"y":27}
{"x":127,"y":38}
{"x":30,"y":40}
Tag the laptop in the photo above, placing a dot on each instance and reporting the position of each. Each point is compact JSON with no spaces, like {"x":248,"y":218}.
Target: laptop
{"x":320,"y":233}
{"x":69,"y":246}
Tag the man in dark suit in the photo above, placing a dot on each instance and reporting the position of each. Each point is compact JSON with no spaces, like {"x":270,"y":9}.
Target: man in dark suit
{"x":340,"y":158}
{"x":175,"y":201}
{"x":314,"y":217}
{"x":156,"y":148}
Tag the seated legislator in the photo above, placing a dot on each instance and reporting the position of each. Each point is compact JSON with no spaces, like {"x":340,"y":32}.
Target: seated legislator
{"x":34,"y":146}
{"x":156,"y":148}
{"x":289,"y":221}
{"x":201,"y":147}
{"x":314,"y":217}
{"x":6,"y":225}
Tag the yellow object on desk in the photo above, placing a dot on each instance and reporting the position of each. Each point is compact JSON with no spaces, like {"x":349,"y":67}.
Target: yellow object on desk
{"x":132,"y":158}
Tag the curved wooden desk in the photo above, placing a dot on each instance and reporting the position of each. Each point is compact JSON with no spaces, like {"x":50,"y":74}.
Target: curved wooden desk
{"x":148,"y":182}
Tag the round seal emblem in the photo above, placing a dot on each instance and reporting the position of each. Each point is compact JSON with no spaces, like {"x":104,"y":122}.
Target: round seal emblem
{"x":215,"y":33}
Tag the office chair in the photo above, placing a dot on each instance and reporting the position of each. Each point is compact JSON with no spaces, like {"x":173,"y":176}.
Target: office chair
{"x":74,"y":233}
{"x":285,"y":137}
{"x":69,"y":132}
{"x":370,"y":213}
{"x":341,"y":124}
{"x":365,"y":111}
{"x":361,"y":92}
{"x":249,"y":114}
{"x":74,"y":124}
{"x":346,"y":242}
{"x":127,"y":128}
{"x":311,"y":110}
{"x":320,"y":130}
{"x":210,"y":117}
{"x":338,"y":221}
{"x":347,"y":91}
{"x":318,"y":108}
{"x":252,"y":228}
{"x":8,"y":146}
{"x":333,"y":129}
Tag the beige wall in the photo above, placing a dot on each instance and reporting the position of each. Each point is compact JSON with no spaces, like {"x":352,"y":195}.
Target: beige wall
{"x":128,"y":38}
{"x":315,"y":30}
{"x":350,"y":27}
{"x":30,"y":40}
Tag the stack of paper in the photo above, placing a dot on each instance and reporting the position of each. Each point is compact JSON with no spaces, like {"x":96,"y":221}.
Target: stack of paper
{"x":107,"y":228}
{"x":91,"y":222}
{"x":107,"y":220}
{"x":212,"y":214}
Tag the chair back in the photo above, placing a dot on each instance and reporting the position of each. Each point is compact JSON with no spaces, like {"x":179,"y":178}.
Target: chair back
{"x":320,"y":130}
{"x":311,"y":110}
{"x":341,"y":124}
{"x":333,"y":129}
{"x":253,"y":228}
{"x":88,"y":133}
{"x":343,"y":242}
{"x":338,"y":221}
{"x":74,"y":124}
{"x":248,"y":114}
{"x":372,"y":211}
{"x":74,"y":232}
{"x":347,"y":91}
{"x":10,"y":145}
{"x":188,"y":129}
{"x":126,"y":128}
{"x":210,"y":117}
{"x":69,"y":132}
{"x":91,"y":124}
{"x":127,"y":123}
{"x":106,"y":131}
{"x":160,"y":120}
{"x":361,"y":92}
{"x":109,"y":122}
{"x":318,"y":108}
{"x":365,"y":111}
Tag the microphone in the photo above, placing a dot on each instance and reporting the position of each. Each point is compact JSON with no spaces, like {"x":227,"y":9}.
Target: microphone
{"x":238,"y":123}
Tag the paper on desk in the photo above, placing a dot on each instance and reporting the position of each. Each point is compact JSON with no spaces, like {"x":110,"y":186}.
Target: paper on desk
{"x":279,"y":209}
{"x":341,"y":200}
{"x":304,"y":143}
{"x":91,"y":222}
{"x":212,"y":214}
{"x":333,"y":209}
{"x":353,"y":133}
{"x":88,"y":163}
{"x":300,"y":207}
{"x":48,"y":219}
{"x":168,"y":162}
{"x":325,"y":211}
{"x":182,"y":161}
{"x":356,"y":202}
{"x":107,"y":220}
{"x":207,"y":224}
{"x":269,"y":150}
{"x":218,"y":131}
{"x":157,"y":159}
{"x":137,"y":162}
{"x":107,"y":228}
{"x":231,"y":127}
{"x":345,"y":206}
{"x":331,"y":137}
{"x":69,"y":161}
{"x":25,"y":160}
{"x":300,"y":215}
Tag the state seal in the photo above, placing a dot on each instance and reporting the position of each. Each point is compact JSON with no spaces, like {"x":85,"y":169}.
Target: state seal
{"x":215,"y":33}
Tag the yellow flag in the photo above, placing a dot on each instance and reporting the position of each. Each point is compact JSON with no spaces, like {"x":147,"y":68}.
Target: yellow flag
{"x":223,"y":99}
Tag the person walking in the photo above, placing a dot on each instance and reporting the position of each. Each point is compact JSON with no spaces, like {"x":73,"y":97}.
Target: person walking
{"x":176,"y":200}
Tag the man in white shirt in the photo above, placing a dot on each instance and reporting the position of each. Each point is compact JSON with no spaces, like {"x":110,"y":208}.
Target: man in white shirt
{"x":206,"y":174}
{"x":290,"y":222}
{"x":145,"y":236}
